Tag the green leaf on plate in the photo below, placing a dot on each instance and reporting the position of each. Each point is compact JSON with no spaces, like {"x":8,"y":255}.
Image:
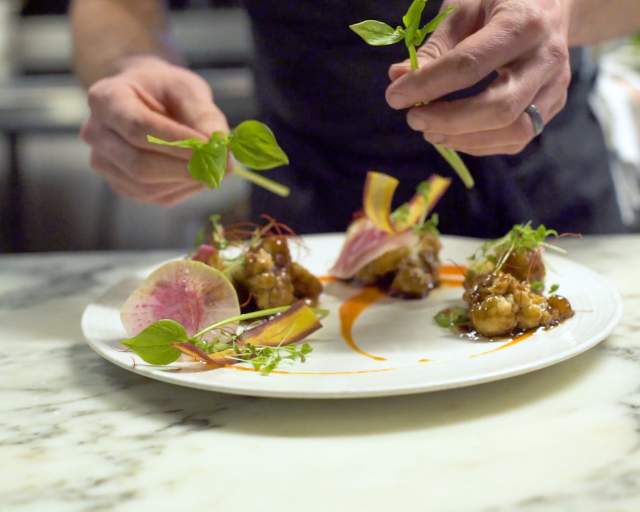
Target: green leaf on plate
{"x":155,"y":344}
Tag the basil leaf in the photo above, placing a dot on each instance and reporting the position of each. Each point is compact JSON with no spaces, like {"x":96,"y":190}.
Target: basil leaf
{"x":254,"y":145}
{"x":208,"y":162}
{"x":155,"y":343}
{"x":377,"y":33}
{"x":412,"y":19}
{"x":185,"y":144}
{"x":208,"y":165}
{"x":452,"y":317}
{"x":431,"y":27}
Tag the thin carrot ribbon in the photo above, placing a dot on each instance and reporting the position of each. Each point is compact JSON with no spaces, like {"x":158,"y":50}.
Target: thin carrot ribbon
{"x":378,"y":201}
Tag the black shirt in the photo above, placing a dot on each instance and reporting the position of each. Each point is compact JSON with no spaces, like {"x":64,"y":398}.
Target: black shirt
{"x":321,"y":89}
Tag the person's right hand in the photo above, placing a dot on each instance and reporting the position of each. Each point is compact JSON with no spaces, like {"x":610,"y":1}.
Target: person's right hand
{"x":149,"y":97}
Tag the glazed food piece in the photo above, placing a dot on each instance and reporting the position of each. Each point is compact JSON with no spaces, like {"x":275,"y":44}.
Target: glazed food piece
{"x":262,"y":269}
{"x":269,"y":278}
{"x":519,"y":253}
{"x":410,"y":271}
{"x":500,"y":305}
{"x":400,"y":251}
{"x":505,"y":285}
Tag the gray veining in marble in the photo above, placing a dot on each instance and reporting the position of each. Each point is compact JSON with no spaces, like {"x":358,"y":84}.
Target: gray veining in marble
{"x":79,"y":434}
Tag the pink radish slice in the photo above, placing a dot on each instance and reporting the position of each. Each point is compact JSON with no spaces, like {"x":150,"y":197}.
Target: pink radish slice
{"x":189,"y":292}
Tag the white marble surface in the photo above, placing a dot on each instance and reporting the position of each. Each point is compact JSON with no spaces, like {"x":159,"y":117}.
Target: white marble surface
{"x":79,"y":434}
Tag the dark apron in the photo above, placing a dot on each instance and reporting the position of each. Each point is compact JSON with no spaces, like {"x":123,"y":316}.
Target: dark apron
{"x":322,"y":91}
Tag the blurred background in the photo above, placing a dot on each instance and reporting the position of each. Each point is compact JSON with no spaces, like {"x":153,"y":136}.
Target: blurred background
{"x":51,"y":200}
{"x":49,"y":197}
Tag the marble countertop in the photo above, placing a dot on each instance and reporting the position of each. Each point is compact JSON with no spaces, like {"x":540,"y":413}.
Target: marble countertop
{"x":80,"y":434}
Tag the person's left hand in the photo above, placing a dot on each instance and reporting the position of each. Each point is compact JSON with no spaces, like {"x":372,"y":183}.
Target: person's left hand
{"x":524,"y":41}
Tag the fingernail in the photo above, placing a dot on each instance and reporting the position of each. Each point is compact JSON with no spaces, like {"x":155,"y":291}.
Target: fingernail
{"x":415,"y":121}
{"x":435,"y":138}
{"x":395,"y":100}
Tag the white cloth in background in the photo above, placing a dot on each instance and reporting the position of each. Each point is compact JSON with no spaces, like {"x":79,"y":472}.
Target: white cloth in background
{"x":616,"y":104}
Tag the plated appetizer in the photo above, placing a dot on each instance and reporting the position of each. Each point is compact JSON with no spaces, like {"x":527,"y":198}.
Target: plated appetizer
{"x":505,"y":288}
{"x":190,"y":310}
{"x":397,"y":251}
{"x":258,"y":261}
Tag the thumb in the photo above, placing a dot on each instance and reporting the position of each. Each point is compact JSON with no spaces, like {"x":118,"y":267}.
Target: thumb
{"x":399,"y":69}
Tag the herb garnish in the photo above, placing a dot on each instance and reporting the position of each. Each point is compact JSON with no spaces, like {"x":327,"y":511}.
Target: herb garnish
{"x":520,"y":237}
{"x":429,"y":226}
{"x":164,"y":341}
{"x":378,"y":33}
{"x":251,"y":143}
{"x":452,"y":318}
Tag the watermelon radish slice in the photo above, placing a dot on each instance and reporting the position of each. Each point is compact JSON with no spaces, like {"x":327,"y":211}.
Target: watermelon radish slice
{"x":189,"y":292}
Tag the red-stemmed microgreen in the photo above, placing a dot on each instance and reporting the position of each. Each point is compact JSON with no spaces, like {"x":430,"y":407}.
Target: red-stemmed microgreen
{"x":264,"y":346}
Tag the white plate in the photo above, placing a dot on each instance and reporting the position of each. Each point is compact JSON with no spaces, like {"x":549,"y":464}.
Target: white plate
{"x":403,"y":351}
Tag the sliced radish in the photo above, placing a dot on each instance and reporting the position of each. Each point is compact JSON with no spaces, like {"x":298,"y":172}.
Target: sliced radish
{"x":189,"y":292}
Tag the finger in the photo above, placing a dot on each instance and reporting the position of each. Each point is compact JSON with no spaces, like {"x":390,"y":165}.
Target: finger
{"x":122,"y":184}
{"x":199,"y":113}
{"x":516,"y":136}
{"x":494,"y":46}
{"x":122,"y":110}
{"x":493,"y":151}
{"x":179,"y":196}
{"x":500,"y":105}
{"x":144,"y":167}
{"x":399,"y":69}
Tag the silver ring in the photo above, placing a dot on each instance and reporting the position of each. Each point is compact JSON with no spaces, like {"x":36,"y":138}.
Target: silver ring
{"x":536,"y":119}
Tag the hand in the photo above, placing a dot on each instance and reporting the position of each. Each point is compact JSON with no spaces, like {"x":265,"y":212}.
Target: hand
{"x":524,"y":41}
{"x":149,"y":96}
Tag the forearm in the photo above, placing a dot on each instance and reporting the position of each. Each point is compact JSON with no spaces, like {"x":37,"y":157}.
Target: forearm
{"x":595,"y":21}
{"x":107,"y":32}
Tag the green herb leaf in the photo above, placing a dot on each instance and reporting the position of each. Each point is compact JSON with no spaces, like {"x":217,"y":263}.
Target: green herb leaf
{"x":430,"y":226}
{"x":207,"y":166}
{"x":267,"y":359}
{"x":452,"y":317}
{"x":377,"y":33}
{"x":458,"y":165}
{"x":208,"y":162}
{"x":411,"y":21}
{"x":554,"y":288}
{"x":431,"y":27}
{"x":537,"y":286}
{"x":155,"y":344}
{"x":184,"y":144}
{"x":217,"y":232}
{"x":254,"y":145}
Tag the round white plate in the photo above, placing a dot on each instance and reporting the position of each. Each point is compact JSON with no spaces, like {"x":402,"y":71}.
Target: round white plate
{"x":402,"y":351}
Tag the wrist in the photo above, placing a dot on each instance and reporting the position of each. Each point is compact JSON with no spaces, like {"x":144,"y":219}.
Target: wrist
{"x":146,"y":59}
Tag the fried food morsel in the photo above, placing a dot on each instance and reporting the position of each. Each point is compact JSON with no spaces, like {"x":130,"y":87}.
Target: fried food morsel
{"x":411,"y":271}
{"x":271,"y":279}
{"x":500,"y":305}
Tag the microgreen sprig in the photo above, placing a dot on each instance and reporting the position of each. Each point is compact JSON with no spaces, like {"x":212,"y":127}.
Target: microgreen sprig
{"x":379,"y":33}
{"x":522,"y":237}
{"x":164,"y":341}
{"x":252,"y":145}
